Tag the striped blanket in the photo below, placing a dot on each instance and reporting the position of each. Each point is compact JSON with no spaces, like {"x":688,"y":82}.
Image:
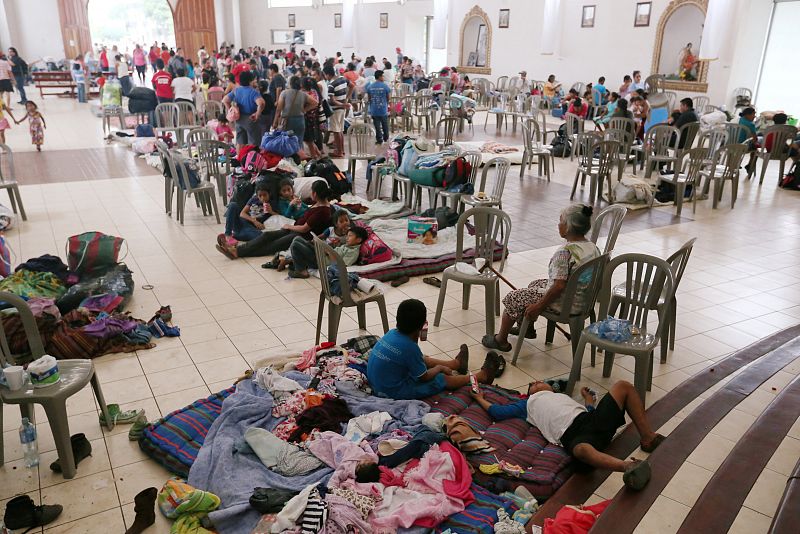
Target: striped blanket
{"x":174,"y":440}
{"x":480,"y":516}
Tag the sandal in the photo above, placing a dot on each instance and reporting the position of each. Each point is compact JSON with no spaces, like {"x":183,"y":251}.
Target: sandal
{"x":225,"y":252}
{"x":399,"y":281}
{"x":658,"y":440}
{"x":490,"y":365}
{"x":530,"y":334}
{"x":490,"y":342}
{"x":501,"y":365}
{"x":271,"y":264}
{"x":637,"y":475}
{"x":432,"y":281}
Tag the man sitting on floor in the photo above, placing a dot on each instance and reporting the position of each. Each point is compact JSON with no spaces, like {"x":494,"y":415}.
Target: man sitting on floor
{"x":397,"y":369}
{"x":585,"y":433}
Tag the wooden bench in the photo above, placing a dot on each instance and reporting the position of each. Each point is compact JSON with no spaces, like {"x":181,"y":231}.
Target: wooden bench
{"x":54,"y":80}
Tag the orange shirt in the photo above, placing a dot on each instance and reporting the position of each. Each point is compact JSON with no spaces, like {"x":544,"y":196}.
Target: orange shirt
{"x":165,"y":57}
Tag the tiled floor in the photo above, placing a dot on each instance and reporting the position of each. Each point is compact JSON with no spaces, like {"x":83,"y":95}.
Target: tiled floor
{"x":740,"y":286}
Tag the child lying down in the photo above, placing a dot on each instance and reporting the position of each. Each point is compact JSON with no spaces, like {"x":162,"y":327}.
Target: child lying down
{"x":585,"y":433}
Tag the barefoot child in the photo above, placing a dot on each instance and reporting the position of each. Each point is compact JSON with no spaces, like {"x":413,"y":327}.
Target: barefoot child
{"x":36,"y":123}
{"x":246,"y":223}
{"x":4,"y":124}
{"x":584,"y":433}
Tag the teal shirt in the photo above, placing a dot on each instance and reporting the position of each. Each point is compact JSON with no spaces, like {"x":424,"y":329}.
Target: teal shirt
{"x":750,"y":125}
{"x":287,"y":210}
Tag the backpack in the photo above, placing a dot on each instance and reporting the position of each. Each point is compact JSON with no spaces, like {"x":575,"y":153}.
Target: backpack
{"x":457,"y":172}
{"x":792,"y":180}
{"x":562,"y":147}
{"x":145,"y":130}
{"x":338,"y":181}
{"x":373,"y":249}
{"x":254,"y":162}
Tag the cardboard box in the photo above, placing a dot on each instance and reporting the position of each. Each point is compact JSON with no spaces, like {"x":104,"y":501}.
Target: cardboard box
{"x":422,"y":230}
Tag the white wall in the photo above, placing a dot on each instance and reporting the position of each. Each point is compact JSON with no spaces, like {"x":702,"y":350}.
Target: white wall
{"x":612,"y":48}
{"x":34,"y":28}
{"x":406,"y":27}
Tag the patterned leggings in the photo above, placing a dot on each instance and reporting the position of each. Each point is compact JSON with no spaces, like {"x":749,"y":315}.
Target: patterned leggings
{"x":519,"y":299}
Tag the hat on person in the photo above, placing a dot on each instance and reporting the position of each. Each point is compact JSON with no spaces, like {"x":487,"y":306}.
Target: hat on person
{"x":422,"y":145}
{"x":523,"y":72}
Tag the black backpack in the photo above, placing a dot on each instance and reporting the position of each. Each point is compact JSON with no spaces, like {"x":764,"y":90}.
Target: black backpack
{"x":339,"y":182}
{"x":562,"y":147}
{"x":792,"y":180}
{"x":457,"y":172}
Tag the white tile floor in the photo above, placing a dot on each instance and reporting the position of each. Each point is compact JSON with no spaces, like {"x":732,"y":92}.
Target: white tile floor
{"x":740,"y":286}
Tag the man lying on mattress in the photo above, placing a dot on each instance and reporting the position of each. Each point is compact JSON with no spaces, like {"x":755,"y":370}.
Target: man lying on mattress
{"x":397,"y":368}
{"x":584,"y":433}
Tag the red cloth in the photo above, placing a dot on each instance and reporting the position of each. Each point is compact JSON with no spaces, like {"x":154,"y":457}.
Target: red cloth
{"x":238,"y":70}
{"x":458,"y":488}
{"x":162,"y":83}
{"x":104,"y":59}
{"x":574,"y":519}
{"x":154,"y":54}
{"x":165,"y":57}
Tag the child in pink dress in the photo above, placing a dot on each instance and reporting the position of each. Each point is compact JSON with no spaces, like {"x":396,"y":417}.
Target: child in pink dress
{"x":36,"y":124}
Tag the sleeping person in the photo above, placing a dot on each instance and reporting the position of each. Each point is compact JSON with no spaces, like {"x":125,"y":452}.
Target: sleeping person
{"x":397,"y":368}
{"x":584,"y":433}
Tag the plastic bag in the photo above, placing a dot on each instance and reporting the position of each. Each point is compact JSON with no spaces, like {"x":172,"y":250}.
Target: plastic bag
{"x":281,"y":143}
{"x":119,"y":279}
{"x":612,"y":329}
{"x":7,"y":218}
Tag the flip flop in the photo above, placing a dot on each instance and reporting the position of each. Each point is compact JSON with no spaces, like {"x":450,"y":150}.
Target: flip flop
{"x":658,"y":440}
{"x":225,"y":252}
{"x":271,"y":264}
{"x":399,"y":281}
{"x":637,"y":475}
{"x":490,"y":342}
{"x":432,"y":281}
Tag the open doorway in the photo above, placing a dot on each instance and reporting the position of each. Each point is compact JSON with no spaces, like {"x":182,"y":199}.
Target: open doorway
{"x":126,"y":23}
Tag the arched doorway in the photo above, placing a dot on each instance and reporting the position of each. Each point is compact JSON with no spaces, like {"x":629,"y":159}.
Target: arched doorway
{"x":126,"y":23}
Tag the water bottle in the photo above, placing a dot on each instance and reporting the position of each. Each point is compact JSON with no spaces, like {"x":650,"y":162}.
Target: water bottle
{"x":27,"y":436}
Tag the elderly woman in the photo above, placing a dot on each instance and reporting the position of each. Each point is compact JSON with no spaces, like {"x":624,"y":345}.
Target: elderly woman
{"x":573,"y":225}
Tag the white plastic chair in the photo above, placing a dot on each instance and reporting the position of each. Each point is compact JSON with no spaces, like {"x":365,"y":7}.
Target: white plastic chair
{"x":495,"y":198}
{"x":203,"y":192}
{"x":656,"y":147}
{"x":686,"y":172}
{"x":725,"y":168}
{"x":781,"y":136}
{"x":532,"y":137}
{"x":360,"y":140}
{"x":474,"y":159}
{"x":8,"y":180}
{"x":489,"y":224}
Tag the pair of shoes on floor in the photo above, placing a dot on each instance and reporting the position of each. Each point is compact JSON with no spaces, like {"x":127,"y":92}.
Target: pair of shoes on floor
{"x":81,"y":449}
{"x":119,"y":417}
{"x":21,"y":512}
{"x":137,"y":427}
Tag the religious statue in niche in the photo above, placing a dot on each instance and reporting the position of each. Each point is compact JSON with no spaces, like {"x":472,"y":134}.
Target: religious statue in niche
{"x":687,"y":64}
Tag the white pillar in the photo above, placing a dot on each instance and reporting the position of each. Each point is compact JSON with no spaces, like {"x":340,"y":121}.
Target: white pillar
{"x":440,"y":8}
{"x":237,"y":24}
{"x":348,"y":26}
{"x":717,"y":28}
{"x":551,"y":27}
{"x":5,"y":31}
{"x":219,"y":22}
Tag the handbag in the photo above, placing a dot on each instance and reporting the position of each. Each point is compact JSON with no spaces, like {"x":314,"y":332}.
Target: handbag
{"x":93,"y":253}
{"x":233,"y":114}
{"x":281,"y":143}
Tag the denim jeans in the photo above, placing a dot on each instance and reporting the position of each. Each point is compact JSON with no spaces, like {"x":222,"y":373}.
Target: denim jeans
{"x":20,"y":81}
{"x":381,"y":128}
{"x":237,"y":227}
{"x":82,"y":93}
{"x":303,"y":254}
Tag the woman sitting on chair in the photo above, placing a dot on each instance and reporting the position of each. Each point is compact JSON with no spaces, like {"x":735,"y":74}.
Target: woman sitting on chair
{"x":573,"y":225}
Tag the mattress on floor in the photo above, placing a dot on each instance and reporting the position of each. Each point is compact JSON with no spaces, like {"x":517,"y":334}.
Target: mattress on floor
{"x":480,"y":516}
{"x":514,"y":157}
{"x":421,"y":266}
{"x":546,"y":466}
{"x":173,"y":441}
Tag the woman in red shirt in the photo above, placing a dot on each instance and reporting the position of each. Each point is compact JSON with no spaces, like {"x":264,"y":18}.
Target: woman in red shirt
{"x":577,"y":107}
{"x":316,"y":220}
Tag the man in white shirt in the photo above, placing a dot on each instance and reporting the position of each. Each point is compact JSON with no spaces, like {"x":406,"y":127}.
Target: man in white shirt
{"x":583,"y":432}
{"x":183,"y":87}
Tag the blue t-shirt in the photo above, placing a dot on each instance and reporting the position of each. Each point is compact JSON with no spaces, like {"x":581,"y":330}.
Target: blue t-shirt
{"x":257,"y":210}
{"x":245,"y":98}
{"x":602,"y":90}
{"x":395,"y":365}
{"x":378,"y":99}
{"x":751,"y":127}
{"x":518,"y":409}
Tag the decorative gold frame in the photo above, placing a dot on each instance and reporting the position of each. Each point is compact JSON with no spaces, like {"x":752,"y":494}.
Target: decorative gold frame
{"x":476,"y":11}
{"x":700,"y":86}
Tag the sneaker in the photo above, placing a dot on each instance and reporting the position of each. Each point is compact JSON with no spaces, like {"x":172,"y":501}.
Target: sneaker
{"x":21,"y":513}
{"x":137,"y":428}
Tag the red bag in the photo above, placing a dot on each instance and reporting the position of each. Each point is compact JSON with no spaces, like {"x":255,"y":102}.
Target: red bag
{"x":93,"y":253}
{"x":373,"y":249}
{"x":574,"y":519}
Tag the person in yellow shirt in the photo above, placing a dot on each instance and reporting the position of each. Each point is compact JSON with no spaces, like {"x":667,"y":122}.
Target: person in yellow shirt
{"x":552,"y":89}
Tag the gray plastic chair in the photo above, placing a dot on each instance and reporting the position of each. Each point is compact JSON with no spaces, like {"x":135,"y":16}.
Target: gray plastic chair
{"x":208,"y":156}
{"x":725,"y":168}
{"x":187,"y":114}
{"x":489,"y":224}
{"x":211,"y":110}
{"x":75,"y":374}
{"x":656,"y":147}
{"x":700,"y":102}
{"x":203,"y":192}
{"x":672,"y":99}
{"x":531,"y":135}
{"x":574,"y":127}
{"x":647,"y":279}
{"x":713,"y":140}
{"x":741,"y":91}
{"x":596,"y":169}
{"x":420,"y":109}
{"x":686,"y":137}
{"x":168,"y":170}
{"x":360,"y":141}
{"x":782,"y":135}
{"x":688,"y":172}
{"x":8,"y":180}
{"x":327,"y":257}
{"x":446,"y":130}
{"x":580,"y":87}
{"x":735,"y":132}
{"x":577,"y":286}
{"x":167,"y":116}
{"x":667,"y":310}
{"x":624,"y":156}
{"x":614,"y":215}
{"x":474,"y":158}
{"x":200,"y":133}
{"x":501,"y":167}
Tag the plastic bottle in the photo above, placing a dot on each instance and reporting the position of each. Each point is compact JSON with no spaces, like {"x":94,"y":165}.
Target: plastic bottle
{"x":27,"y":436}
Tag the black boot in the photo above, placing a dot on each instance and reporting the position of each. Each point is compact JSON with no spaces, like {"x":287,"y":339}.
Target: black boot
{"x":21,"y":512}
{"x":145,"y":508}
{"x":81,"y":448}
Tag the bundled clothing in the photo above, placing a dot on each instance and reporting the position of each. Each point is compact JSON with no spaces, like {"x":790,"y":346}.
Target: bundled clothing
{"x":330,"y":415}
{"x":186,"y":505}
{"x":284,"y":458}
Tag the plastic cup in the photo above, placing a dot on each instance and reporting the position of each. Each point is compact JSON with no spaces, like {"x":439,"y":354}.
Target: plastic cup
{"x":15,"y":377}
